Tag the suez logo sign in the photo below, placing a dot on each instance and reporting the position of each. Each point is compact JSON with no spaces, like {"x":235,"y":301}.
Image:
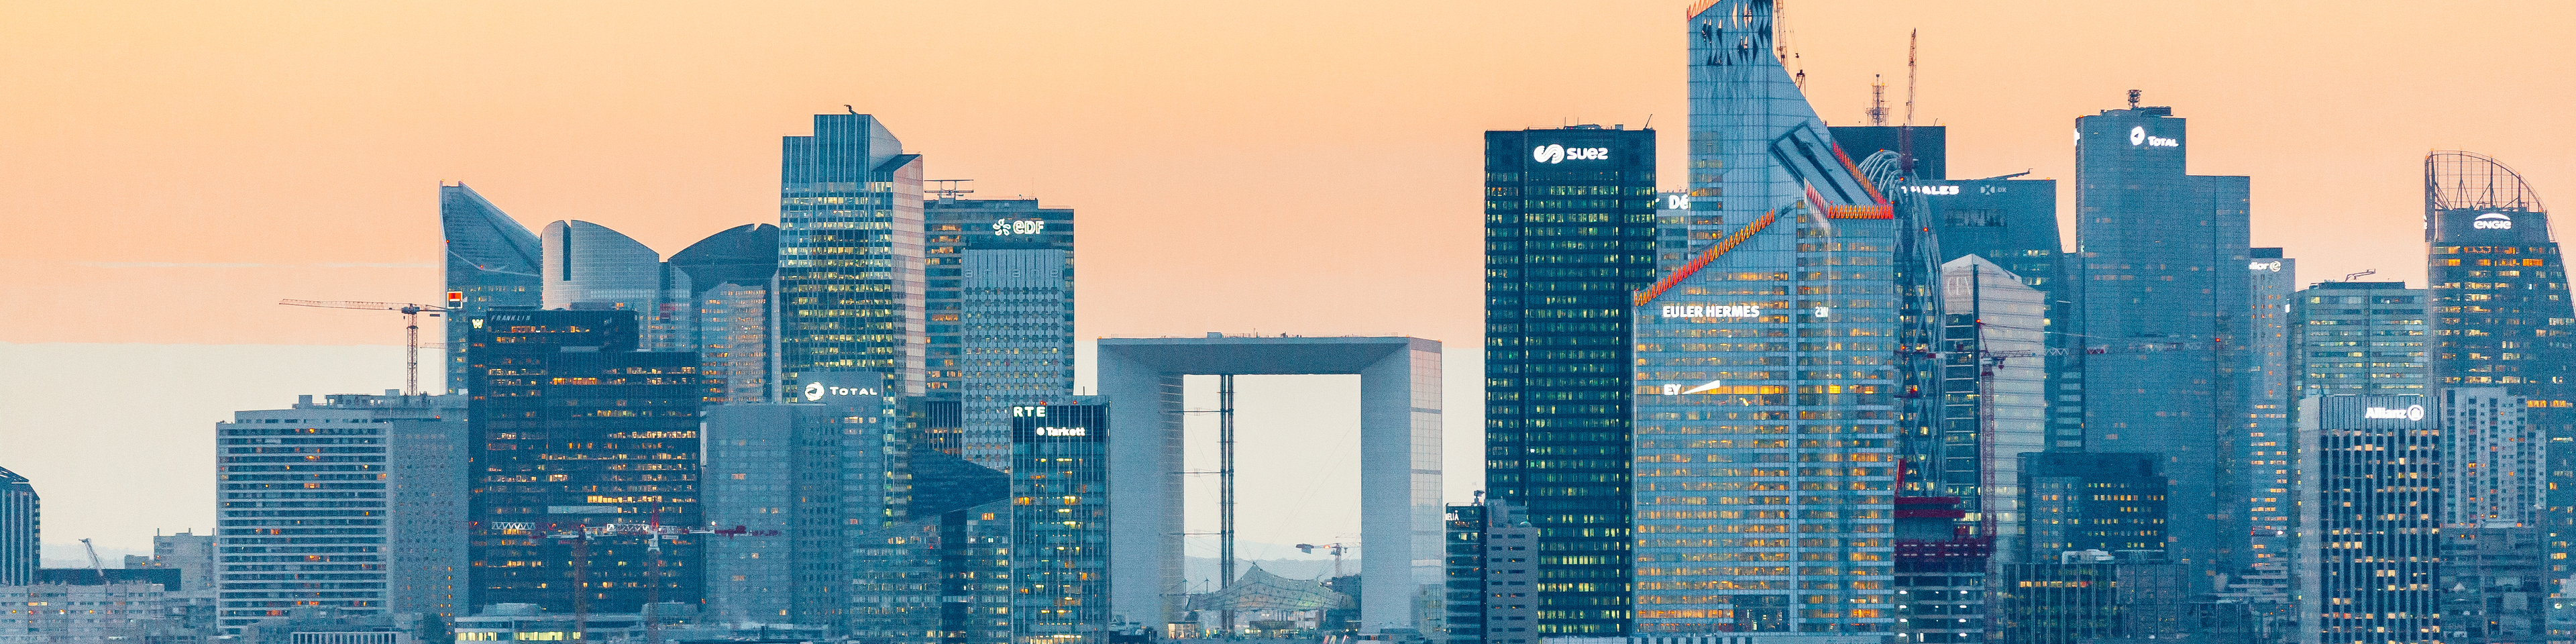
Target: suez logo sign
{"x":2138,"y":136}
{"x":2410,"y":412}
{"x":815,"y":391}
{"x":2493,"y":221}
{"x":1018,"y":226}
{"x":1051,"y":432}
{"x":1553,"y":153}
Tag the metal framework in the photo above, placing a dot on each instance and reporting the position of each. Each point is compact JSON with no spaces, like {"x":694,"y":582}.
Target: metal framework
{"x":2459,"y":179}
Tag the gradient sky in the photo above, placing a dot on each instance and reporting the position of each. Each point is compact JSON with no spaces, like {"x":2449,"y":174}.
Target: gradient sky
{"x":168,"y":170}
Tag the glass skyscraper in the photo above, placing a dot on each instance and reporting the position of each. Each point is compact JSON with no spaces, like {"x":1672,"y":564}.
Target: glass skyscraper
{"x":1060,"y":524}
{"x":791,"y":488}
{"x":2374,"y":523}
{"x":850,"y":240}
{"x":583,"y":449}
{"x":491,"y":261}
{"x":1001,"y":315}
{"x":1569,"y":234}
{"x":2158,"y":252}
{"x":2501,"y":313}
{"x":1766,"y":392}
{"x":21,"y":530}
{"x":721,"y":289}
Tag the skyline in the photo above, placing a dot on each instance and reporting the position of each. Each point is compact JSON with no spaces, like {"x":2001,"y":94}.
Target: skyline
{"x":1400,"y":181}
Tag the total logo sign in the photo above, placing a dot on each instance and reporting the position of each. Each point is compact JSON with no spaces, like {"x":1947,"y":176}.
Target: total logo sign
{"x":2138,"y":136}
{"x":2493,"y":221}
{"x":2411,"y":412}
{"x":814,"y":391}
{"x":1553,"y":153}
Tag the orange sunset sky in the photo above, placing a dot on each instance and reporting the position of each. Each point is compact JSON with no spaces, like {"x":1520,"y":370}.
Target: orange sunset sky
{"x":168,"y":170}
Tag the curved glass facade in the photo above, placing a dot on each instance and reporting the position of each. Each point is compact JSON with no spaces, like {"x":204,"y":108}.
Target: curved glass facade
{"x":491,"y":262}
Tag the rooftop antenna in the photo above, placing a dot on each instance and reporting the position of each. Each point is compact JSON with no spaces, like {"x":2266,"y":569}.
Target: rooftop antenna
{"x":1877,"y":102}
{"x":2353,"y":276}
{"x":2133,"y":99}
{"x":852,"y":110}
{"x":949,"y":189}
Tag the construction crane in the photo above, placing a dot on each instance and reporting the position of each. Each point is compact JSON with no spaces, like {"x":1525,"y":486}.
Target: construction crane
{"x":411,"y":331}
{"x":94,"y":565}
{"x":1334,"y":548}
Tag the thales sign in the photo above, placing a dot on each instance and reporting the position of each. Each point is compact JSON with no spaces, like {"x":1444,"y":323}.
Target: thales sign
{"x":2138,"y":136}
{"x":2410,"y":412}
{"x":2493,"y":221}
{"x":1553,"y":153}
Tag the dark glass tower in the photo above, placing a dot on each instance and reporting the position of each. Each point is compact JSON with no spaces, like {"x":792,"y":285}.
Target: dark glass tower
{"x":21,"y":527}
{"x":491,"y":262}
{"x":850,"y":252}
{"x":2501,"y":313}
{"x":1569,"y":235}
{"x":2376,"y":531}
{"x":580,"y":443}
{"x":2159,"y":253}
{"x":1060,"y":523}
{"x":724,"y":290}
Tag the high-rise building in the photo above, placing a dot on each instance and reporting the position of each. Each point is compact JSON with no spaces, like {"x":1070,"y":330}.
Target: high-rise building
{"x":1569,"y":234}
{"x":1995,"y":407}
{"x":348,"y":503}
{"x":2372,"y":520}
{"x":2494,"y":585}
{"x":22,"y":530}
{"x":722,"y":289}
{"x":2157,"y":250}
{"x":2012,"y":222}
{"x":2359,"y":338}
{"x":1765,"y":401}
{"x":2492,"y":459}
{"x":850,"y":242}
{"x":791,"y":487}
{"x":2093,"y":501}
{"x":1001,"y":314}
{"x":2501,"y":313}
{"x":588,"y":266}
{"x":942,"y":575}
{"x":584,"y":464}
{"x":491,"y":262}
{"x":1060,"y":523}
{"x":2263,"y":459}
{"x":2084,"y":596}
{"x":1492,"y":593}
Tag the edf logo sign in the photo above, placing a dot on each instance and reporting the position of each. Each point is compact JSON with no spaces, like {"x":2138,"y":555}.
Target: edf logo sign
{"x":1553,"y":153}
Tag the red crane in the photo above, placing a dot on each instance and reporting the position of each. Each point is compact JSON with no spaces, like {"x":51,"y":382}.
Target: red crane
{"x":411,"y":331}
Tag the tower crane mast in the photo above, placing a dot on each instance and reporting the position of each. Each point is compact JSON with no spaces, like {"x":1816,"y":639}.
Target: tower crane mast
{"x":411,"y":330}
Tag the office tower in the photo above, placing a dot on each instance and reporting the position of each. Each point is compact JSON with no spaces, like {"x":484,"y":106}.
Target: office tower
{"x":2359,"y":338}
{"x":22,"y":530}
{"x":1001,"y":314}
{"x":587,"y":266}
{"x":1060,"y":523}
{"x":1766,"y":406}
{"x":2372,"y":519}
{"x":943,"y":573}
{"x":2494,"y":585}
{"x":850,"y":241}
{"x":584,"y":466}
{"x":2012,"y":222}
{"x":789,"y":488}
{"x":723,"y":289}
{"x":2494,"y":574}
{"x":342,"y":503}
{"x":1995,"y":407}
{"x":2263,"y":461}
{"x":2158,"y":248}
{"x":1493,"y":575}
{"x":2491,"y":470}
{"x":2091,"y":596}
{"x":190,"y":555}
{"x":1569,"y":234}
{"x":2094,"y":501}
{"x":2500,"y":312}
{"x":491,"y":262}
